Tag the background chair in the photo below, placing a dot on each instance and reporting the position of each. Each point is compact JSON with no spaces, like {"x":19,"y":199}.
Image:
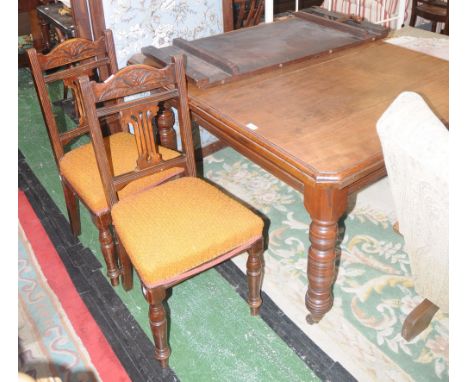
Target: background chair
{"x":177,"y":229}
{"x":77,"y":167}
{"x":436,"y":11}
{"x":415,"y":147}
{"x":247,"y":13}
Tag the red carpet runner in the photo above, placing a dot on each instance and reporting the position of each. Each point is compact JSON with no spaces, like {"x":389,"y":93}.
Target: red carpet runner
{"x":100,"y":352}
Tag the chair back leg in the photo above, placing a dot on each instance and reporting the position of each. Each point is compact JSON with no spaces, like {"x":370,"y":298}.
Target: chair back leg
{"x":103,"y":224}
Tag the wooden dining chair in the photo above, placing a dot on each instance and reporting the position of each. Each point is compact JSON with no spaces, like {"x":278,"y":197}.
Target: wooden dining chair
{"x":77,"y":167}
{"x":182,"y":227}
{"x":436,"y":11}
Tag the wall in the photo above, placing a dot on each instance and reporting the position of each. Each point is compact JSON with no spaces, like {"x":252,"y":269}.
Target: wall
{"x":137,"y":23}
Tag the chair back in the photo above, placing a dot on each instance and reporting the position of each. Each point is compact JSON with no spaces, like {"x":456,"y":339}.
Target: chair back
{"x":152,"y":87}
{"x":66,"y":62}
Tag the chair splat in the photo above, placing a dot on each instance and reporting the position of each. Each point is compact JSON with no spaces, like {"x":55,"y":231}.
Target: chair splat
{"x":140,"y":118}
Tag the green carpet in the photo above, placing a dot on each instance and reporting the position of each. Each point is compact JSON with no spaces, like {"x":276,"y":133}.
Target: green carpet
{"x":217,"y":339}
{"x":24,"y":42}
{"x":212,"y":335}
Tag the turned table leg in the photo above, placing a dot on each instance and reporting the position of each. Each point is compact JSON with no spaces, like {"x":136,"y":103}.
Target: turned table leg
{"x":325,"y":205}
{"x":165,"y":120}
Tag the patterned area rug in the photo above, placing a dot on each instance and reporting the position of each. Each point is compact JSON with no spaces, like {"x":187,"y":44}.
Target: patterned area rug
{"x":57,"y":336}
{"x":374,"y":289}
{"x":433,"y":44}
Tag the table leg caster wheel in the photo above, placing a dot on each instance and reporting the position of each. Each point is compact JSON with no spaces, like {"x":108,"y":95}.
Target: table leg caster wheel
{"x":310,"y":320}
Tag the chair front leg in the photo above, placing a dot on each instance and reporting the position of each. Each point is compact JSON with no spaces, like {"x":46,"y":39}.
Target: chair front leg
{"x":255,"y":276}
{"x":158,"y":322}
{"x":106,"y":240}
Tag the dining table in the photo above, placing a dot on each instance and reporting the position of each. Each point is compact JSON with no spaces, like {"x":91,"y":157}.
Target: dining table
{"x":312,"y":124}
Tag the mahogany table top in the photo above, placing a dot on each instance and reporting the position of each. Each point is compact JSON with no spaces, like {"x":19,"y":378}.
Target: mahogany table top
{"x":317,"y":119}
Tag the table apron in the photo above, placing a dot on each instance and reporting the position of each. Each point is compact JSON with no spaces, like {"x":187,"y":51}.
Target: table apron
{"x":367,"y":180}
{"x":267,"y":160}
{"x":277,"y":165}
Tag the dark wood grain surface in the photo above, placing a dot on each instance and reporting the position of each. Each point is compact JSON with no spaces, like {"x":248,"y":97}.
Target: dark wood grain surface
{"x":320,"y":116}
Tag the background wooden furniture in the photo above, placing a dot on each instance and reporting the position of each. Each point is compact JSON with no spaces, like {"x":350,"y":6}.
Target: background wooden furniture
{"x":282,"y":6}
{"x":86,"y":21}
{"x":233,"y":17}
{"x":436,"y":11}
{"x":328,"y":149}
{"x":29,"y":24}
{"x":196,"y":225}
{"x":415,"y":147}
{"x":247,"y":13}
{"x":51,"y":18}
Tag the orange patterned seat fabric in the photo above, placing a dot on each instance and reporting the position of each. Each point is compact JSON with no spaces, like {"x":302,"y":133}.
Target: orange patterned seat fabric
{"x":80,"y":169}
{"x":179,"y":225}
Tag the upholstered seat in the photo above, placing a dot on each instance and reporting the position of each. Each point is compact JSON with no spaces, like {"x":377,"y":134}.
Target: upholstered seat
{"x":80,"y":169}
{"x":180,"y":225}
